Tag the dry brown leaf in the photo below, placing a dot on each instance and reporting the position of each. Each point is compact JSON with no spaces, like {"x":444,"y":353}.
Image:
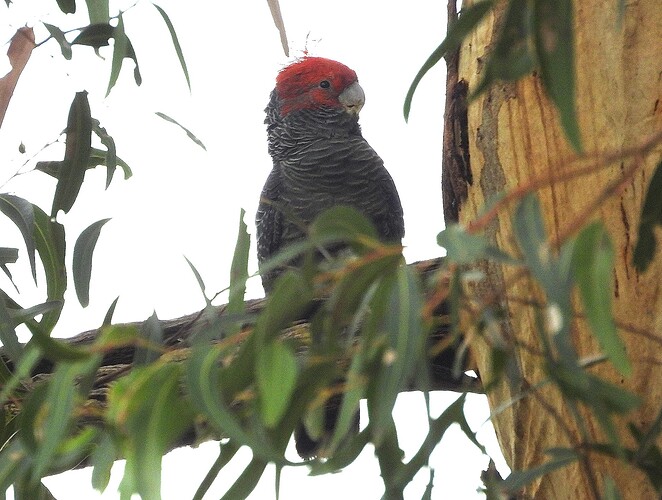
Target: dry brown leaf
{"x":19,"y":52}
{"x":274,"y":6}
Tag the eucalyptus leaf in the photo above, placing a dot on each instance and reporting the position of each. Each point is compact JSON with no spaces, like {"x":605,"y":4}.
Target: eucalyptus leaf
{"x":82,"y":261}
{"x":188,"y":132}
{"x":21,"y":213}
{"x":58,"y":36}
{"x":175,"y":42}
{"x":651,"y":216}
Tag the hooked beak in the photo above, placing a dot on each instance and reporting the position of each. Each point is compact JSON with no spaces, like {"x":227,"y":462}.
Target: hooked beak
{"x":352,"y":98}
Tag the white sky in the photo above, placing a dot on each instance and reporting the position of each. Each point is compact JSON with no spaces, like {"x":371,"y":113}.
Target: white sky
{"x":185,"y":201}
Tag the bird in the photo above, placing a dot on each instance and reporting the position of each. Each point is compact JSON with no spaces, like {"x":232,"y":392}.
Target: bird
{"x":320,"y":160}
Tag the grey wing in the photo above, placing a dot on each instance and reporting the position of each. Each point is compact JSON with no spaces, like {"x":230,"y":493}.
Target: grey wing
{"x":269,"y":220}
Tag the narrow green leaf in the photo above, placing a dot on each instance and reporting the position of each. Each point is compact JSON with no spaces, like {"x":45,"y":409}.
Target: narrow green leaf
{"x":188,"y":132}
{"x":225,"y":453}
{"x":97,"y":157}
{"x":290,"y":297}
{"x":247,"y":480}
{"x":58,"y":36}
{"x":103,"y":457}
{"x":67,"y":6}
{"x":610,"y":491}
{"x":342,"y":223}
{"x":239,"y":269}
{"x":203,"y":381}
{"x":21,"y":213}
{"x":404,"y":352}
{"x":651,"y":216}
{"x":20,"y":316}
{"x":14,"y":462}
{"x":8,"y":335}
{"x":593,"y":259}
{"x":120,"y":51}
{"x":555,"y":40}
{"x":8,"y":256}
{"x":152,"y":332}
{"x":198,"y":278}
{"x":519,"y":479}
{"x":58,"y":408}
{"x":76,"y":155}
{"x":82,"y":261}
{"x":55,"y":350}
{"x":95,"y":35}
{"x":108,"y":318}
{"x":175,"y":42}
{"x":466,"y":22}
{"x":98,"y":11}
{"x":51,"y":246}
{"x":22,"y":370}
{"x":462,"y":247}
{"x":438,"y":427}
{"x":276,"y":378}
{"x":110,"y":157}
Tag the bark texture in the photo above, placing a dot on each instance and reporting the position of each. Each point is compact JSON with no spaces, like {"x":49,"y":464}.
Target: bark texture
{"x":515,"y":137}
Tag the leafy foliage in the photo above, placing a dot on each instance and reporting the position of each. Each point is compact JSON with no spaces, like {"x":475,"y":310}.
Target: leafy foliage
{"x":250,"y":379}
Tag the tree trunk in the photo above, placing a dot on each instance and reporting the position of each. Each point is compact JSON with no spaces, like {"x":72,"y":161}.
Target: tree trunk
{"x":515,"y":138}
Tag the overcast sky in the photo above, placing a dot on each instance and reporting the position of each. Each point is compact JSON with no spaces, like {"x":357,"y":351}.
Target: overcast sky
{"x":183,"y":201}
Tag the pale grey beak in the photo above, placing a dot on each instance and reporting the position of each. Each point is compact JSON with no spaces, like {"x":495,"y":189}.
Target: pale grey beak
{"x":352,"y":98}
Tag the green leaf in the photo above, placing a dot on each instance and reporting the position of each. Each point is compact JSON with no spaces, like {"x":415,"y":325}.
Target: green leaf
{"x":82,"y":261}
{"x":67,"y":6}
{"x":14,"y":462}
{"x":651,"y":216}
{"x":188,"y":132}
{"x":58,"y":36}
{"x":513,"y":55}
{"x":97,"y":157}
{"x":610,"y":489}
{"x":204,"y":381}
{"x":593,"y":259}
{"x":198,"y":278}
{"x":239,"y":271}
{"x":152,"y":332}
{"x":54,"y":417}
{"x":76,"y":155}
{"x":404,"y":352}
{"x":52,"y":349}
{"x":175,"y":42}
{"x":276,"y":378}
{"x":8,"y":335}
{"x":51,"y":246}
{"x":225,"y":453}
{"x":22,"y":369}
{"x":123,"y":49}
{"x":103,"y":457}
{"x":462,"y":247}
{"x":247,"y":480}
{"x":8,"y":256}
{"x":438,"y":427}
{"x":555,"y":40}
{"x":342,"y":223}
{"x":519,"y":479}
{"x":98,"y":11}
{"x":468,"y":20}
{"x":290,"y":297}
{"x":20,"y":316}
{"x":95,"y":35}
{"x":21,"y":213}
{"x":110,"y":157}
{"x":108,"y":318}
{"x":148,"y":405}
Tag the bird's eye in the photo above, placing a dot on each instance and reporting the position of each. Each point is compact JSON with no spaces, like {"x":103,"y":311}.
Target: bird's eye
{"x":325,"y":84}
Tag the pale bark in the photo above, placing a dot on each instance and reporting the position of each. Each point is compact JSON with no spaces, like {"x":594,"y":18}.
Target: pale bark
{"x":515,"y":137}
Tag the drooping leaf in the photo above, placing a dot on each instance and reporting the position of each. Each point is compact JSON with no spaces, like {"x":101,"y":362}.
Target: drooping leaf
{"x":58,"y":36}
{"x":198,"y":278}
{"x":8,"y":335}
{"x":51,"y":247}
{"x":67,"y":6}
{"x":593,"y":267}
{"x":76,"y":155}
{"x":519,"y":479}
{"x":175,"y":42}
{"x":462,"y":247}
{"x":98,"y":11}
{"x":239,"y":270}
{"x":14,"y":462}
{"x":555,"y":40}
{"x":21,"y":213}
{"x":404,"y":352}
{"x":20,"y":49}
{"x":20,"y":316}
{"x":8,"y":256}
{"x":225,"y":454}
{"x":651,"y":216}
{"x":103,"y":457}
{"x":342,"y":223}
{"x":82,"y":261}
{"x":28,"y":360}
{"x":152,"y":332}
{"x":97,"y":157}
{"x":122,"y":49}
{"x":110,"y":158}
{"x":247,"y":480}
{"x":188,"y":132}
{"x":55,"y":415}
{"x":95,"y":35}
{"x":466,"y":22}
{"x":276,"y":378}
